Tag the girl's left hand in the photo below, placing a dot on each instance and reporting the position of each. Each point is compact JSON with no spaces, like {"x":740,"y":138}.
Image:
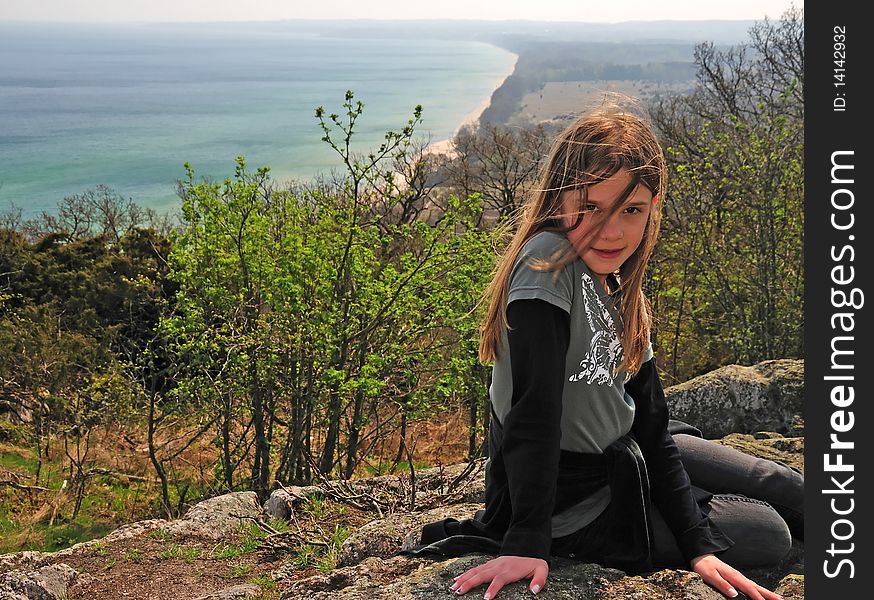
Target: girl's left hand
{"x":729,"y":580}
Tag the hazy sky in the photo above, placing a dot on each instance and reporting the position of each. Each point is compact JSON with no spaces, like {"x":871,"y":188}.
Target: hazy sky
{"x":258,"y":10}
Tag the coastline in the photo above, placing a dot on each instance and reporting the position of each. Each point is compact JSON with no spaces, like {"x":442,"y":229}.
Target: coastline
{"x":444,"y":146}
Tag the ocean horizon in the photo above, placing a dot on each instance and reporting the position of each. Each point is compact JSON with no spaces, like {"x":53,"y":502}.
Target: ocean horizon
{"x":126,"y":105}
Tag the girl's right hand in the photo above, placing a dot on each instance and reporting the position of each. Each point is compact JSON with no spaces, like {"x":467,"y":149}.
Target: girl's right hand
{"x":501,"y":571}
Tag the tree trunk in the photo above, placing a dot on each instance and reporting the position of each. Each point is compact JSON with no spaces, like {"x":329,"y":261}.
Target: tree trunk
{"x":357,"y":412}
{"x":153,"y":455}
{"x":227,"y":466}
{"x":402,"y":446}
{"x":261,"y":464}
{"x":352,"y":441}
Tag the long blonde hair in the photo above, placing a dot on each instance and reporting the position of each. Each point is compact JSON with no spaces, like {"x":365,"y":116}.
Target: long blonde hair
{"x":592,"y":149}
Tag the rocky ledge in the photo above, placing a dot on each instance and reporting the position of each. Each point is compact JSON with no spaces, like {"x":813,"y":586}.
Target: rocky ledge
{"x":142,"y":560}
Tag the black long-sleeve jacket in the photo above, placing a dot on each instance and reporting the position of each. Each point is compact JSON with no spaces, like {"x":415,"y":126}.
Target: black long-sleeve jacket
{"x":524,"y":474}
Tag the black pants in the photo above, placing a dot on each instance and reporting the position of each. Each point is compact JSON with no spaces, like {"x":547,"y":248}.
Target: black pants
{"x":758,"y":503}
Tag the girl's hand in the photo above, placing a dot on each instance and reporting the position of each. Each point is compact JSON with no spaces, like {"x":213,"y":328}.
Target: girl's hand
{"x":501,"y":571}
{"x":729,"y":580}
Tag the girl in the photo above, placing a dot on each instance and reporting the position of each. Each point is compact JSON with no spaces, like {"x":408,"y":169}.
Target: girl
{"x":581,"y":460}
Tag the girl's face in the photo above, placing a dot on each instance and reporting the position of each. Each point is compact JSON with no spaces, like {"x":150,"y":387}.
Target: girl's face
{"x":621,"y":234}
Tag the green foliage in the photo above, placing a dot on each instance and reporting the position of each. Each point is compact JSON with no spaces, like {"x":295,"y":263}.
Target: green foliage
{"x":171,"y":551}
{"x":238,"y":571}
{"x":316,"y":507}
{"x":266,"y":583}
{"x":82,"y":294}
{"x":191,"y":554}
{"x":250,"y":539}
{"x":383,"y":468}
{"x":134,"y":555}
{"x":160,"y":534}
{"x":323,"y":559}
{"x":306,"y":556}
{"x":328,"y":561}
{"x":227,"y":551}
{"x":268,"y":315}
{"x":108,"y":503}
{"x":99,"y":548}
{"x":302,"y":301}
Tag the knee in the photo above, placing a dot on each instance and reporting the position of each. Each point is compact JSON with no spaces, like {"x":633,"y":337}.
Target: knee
{"x":781,"y":542}
{"x":770,"y":547}
{"x":761,"y":536}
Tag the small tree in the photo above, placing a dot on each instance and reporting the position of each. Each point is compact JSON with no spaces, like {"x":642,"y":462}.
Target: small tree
{"x":303,"y":312}
{"x":498,"y":162}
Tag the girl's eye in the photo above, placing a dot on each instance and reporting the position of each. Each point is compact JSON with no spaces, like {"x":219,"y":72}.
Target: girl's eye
{"x":591,"y":207}
{"x":632,"y":210}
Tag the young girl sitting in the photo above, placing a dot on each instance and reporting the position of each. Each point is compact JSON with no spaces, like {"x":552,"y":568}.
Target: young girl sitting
{"x":581,"y":460}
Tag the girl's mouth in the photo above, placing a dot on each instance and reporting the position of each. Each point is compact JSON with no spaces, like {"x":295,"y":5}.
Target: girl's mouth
{"x":607,"y":253}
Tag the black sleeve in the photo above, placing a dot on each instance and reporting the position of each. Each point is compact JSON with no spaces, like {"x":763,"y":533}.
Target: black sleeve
{"x":539,"y":336}
{"x":669,"y":483}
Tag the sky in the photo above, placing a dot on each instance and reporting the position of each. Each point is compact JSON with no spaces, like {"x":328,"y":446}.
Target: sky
{"x":603,"y":11}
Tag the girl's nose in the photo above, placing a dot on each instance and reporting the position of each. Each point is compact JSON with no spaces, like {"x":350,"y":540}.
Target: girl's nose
{"x":612,"y":229}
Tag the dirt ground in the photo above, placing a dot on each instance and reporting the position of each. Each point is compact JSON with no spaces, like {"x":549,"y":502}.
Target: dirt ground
{"x":135,"y":569}
{"x":154,"y":565}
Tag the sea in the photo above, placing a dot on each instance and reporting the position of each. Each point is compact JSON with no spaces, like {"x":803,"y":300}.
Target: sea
{"x":127,"y":105}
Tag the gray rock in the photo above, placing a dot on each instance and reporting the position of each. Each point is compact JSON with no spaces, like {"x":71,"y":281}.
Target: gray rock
{"x":122,"y":533}
{"x":217,"y":517}
{"x":28,"y":559}
{"x":366,"y":577}
{"x":384,"y":537}
{"x":130,"y":530}
{"x":238,"y":592}
{"x":768,"y":396}
{"x":282,"y":502}
{"x":368,"y":562}
{"x":423,"y":579}
{"x":47,"y":583}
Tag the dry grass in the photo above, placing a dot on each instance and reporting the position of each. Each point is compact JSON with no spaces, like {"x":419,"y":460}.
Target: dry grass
{"x":42,"y":520}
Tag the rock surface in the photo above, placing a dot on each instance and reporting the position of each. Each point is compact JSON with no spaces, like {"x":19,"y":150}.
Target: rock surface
{"x":282,"y":502}
{"x":384,"y":537}
{"x":217,"y":517}
{"x":47,"y":583}
{"x":424,"y":579}
{"x":767,"y":396}
{"x":238,"y":592}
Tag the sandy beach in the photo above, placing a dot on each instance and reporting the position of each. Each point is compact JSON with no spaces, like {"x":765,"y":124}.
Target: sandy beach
{"x":472,"y":118}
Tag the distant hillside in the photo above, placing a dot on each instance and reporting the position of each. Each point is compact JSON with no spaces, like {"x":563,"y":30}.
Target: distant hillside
{"x":541,"y":63}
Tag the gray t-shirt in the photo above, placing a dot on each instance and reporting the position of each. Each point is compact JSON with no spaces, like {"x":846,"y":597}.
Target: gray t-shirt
{"x":596,"y":411}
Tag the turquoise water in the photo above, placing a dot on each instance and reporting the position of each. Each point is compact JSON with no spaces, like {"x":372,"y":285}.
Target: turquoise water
{"x":127,"y":105}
